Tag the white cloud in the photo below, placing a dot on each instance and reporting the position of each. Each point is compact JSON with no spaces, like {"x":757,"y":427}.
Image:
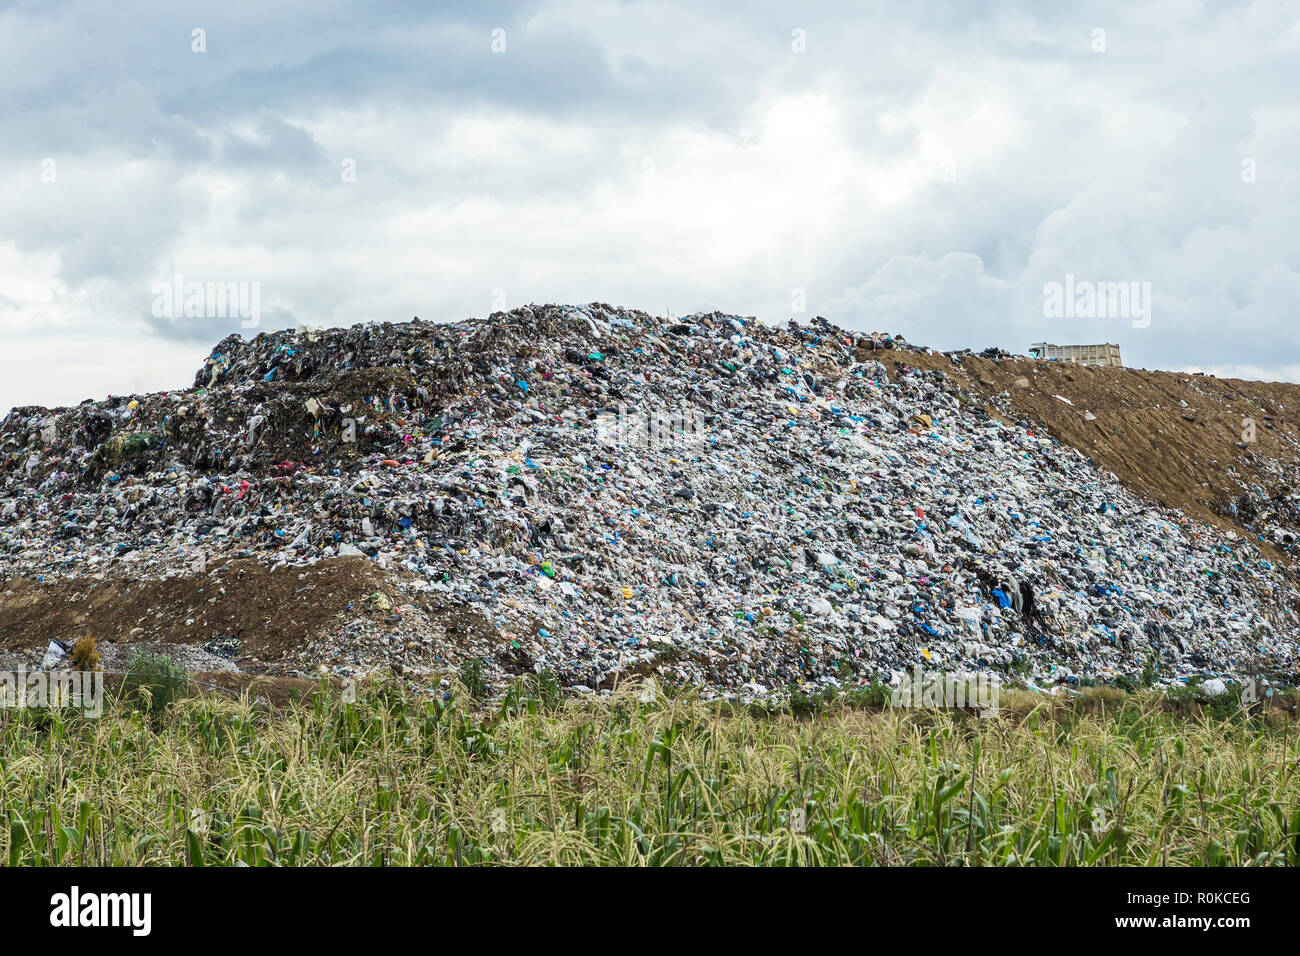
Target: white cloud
{"x":906,"y":173}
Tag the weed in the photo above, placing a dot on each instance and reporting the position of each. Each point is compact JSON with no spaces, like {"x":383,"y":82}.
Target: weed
{"x":473,"y":676}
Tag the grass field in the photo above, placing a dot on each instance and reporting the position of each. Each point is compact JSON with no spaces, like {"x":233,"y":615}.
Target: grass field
{"x":392,"y":779}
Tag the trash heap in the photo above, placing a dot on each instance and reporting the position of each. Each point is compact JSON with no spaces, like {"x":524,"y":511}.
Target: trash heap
{"x":613,"y":495}
{"x":1270,"y":508}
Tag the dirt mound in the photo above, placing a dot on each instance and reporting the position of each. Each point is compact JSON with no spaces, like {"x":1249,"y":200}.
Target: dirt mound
{"x":256,"y":614}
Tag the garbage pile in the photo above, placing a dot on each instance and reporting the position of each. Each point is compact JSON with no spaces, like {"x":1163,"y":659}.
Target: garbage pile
{"x":1270,"y":508}
{"x":612,"y":495}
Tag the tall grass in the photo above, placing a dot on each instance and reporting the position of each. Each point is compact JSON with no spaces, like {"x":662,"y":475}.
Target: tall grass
{"x":392,"y":779}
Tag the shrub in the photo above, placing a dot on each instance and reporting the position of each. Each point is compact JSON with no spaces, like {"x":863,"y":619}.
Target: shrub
{"x":542,"y":690}
{"x":85,"y":654}
{"x":804,"y":704}
{"x":875,"y":694}
{"x":152,"y":682}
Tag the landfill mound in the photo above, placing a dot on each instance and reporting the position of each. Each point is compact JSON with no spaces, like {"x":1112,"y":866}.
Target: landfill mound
{"x":612,"y":495}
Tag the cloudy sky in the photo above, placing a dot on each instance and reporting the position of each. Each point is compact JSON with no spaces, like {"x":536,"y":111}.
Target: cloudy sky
{"x":915,"y":167}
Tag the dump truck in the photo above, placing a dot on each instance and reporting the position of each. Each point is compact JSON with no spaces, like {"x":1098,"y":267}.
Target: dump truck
{"x":1105,"y":354}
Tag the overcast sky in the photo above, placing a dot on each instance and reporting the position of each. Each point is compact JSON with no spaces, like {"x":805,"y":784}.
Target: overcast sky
{"x":915,"y":167}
